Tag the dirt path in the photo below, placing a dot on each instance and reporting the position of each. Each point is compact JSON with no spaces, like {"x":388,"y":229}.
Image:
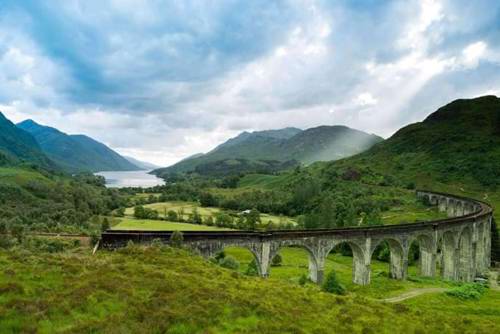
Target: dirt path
{"x":412,"y":294}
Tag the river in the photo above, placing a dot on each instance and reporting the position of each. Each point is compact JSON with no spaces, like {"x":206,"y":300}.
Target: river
{"x":116,"y":179}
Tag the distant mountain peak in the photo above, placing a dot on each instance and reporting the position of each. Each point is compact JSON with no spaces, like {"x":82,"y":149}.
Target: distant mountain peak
{"x":287,"y":144}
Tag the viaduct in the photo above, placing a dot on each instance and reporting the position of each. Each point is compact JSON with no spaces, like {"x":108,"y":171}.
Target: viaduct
{"x":459,"y":246}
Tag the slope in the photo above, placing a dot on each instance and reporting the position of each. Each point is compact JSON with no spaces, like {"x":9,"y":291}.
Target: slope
{"x":459,"y":143}
{"x":17,"y":146}
{"x":76,"y":153}
{"x":169,"y":291}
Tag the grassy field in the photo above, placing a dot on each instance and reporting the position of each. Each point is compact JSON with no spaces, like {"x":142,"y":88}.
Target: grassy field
{"x":152,"y":290}
{"x":159,"y":225}
{"x":188,"y":208}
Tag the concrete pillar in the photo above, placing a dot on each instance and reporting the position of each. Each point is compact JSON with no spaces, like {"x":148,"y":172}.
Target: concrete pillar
{"x":480,"y":249}
{"x":466,"y":268}
{"x":450,"y":208}
{"x":398,"y":260}
{"x":361,"y":270}
{"x":427,"y":263}
{"x":316,"y":269}
{"x":449,"y":262}
{"x":442,"y":204}
{"x":262,"y":253}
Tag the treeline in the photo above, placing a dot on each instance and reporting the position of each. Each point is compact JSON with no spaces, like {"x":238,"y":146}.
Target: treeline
{"x":63,"y":204}
{"x":316,"y":205}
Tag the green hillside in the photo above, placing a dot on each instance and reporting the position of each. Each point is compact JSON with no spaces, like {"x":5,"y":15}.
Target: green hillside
{"x":459,"y":143}
{"x":322,"y":143}
{"x":18,"y":146}
{"x":153,"y":290}
{"x":76,"y":153}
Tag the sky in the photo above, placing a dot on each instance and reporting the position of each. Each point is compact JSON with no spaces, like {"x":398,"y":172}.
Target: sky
{"x":161,"y":80}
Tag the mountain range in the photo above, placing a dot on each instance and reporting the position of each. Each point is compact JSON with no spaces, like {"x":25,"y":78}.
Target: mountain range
{"x":76,"y":153}
{"x":323,"y":143}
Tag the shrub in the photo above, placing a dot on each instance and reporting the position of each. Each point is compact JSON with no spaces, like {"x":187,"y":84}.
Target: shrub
{"x":277,"y":261}
{"x":229,"y":262}
{"x":468,"y":291}
{"x":220,"y":256}
{"x":252,"y":269}
{"x":172,"y":216}
{"x":176,"y":239}
{"x":303,"y":279}
{"x":332,"y":284}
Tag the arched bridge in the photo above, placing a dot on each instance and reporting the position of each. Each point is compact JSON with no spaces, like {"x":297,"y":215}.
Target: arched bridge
{"x":459,"y":246}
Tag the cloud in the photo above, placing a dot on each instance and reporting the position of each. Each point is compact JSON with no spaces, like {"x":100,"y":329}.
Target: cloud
{"x":161,"y":80}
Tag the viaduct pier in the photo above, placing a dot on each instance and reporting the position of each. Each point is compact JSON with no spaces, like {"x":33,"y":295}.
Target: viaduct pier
{"x":457,"y":248}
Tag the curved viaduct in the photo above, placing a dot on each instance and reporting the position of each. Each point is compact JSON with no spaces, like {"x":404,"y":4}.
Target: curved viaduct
{"x":461,"y":244}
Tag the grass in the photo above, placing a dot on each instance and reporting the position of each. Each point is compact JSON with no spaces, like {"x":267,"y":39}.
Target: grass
{"x":127,"y":223}
{"x":21,"y":176}
{"x":153,"y":290}
{"x":188,"y":208}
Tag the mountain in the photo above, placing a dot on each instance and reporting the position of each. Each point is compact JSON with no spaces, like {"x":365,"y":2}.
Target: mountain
{"x":316,"y":144}
{"x":17,"y":146}
{"x":237,"y":166}
{"x":141,"y":164}
{"x":460,"y":142}
{"x":76,"y":153}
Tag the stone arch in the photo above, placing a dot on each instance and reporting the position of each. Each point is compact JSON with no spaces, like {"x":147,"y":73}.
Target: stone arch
{"x":360,"y":261}
{"x":427,"y":254}
{"x":316,"y":265}
{"x":449,"y":255}
{"x":398,"y":257}
{"x":261,"y":253}
{"x":465,"y":255}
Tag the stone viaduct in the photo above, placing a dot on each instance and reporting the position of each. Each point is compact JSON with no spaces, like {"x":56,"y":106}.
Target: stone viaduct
{"x":458,"y":246}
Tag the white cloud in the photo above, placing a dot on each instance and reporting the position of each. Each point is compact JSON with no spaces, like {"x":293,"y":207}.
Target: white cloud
{"x":365,"y":99}
{"x":473,"y":53}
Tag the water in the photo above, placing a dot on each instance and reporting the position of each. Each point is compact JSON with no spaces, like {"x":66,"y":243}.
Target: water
{"x":131,"y":179}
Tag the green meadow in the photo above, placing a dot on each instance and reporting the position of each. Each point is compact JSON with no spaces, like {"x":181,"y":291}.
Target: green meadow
{"x":127,"y":223}
{"x":151,"y":289}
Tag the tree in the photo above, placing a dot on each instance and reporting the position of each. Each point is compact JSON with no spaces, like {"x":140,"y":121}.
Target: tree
{"x":277,"y":261}
{"x":176,"y":239}
{"x":209,"y":221}
{"x":120,"y":212}
{"x":105,"y":224}
{"x":332,"y":284}
{"x":207,"y":199}
{"x":374,"y":217}
{"x":172,"y":216}
{"x":252,"y":269}
{"x":252,"y":219}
